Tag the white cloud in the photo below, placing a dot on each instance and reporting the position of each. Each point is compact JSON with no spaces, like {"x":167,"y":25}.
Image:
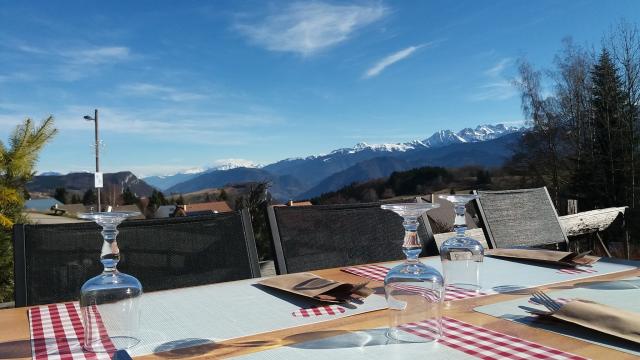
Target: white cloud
{"x":175,"y":122}
{"x":499,"y":90}
{"x":161,"y":91}
{"x":376,"y":69}
{"x":498,"y":68}
{"x":498,"y":87}
{"x":98,"y":55}
{"x":70,"y":64}
{"x":309,"y":27}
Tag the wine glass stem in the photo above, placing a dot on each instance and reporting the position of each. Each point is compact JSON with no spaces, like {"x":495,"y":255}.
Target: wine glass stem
{"x":460,"y":224}
{"x":411,"y":246}
{"x":110,"y":254}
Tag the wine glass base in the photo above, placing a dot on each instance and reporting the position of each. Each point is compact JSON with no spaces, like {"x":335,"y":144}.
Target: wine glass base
{"x":463,"y":286}
{"x":405,"y":335}
{"x":119,"y":343}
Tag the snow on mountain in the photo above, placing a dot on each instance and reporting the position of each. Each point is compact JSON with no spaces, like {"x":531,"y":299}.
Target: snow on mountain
{"x":486,"y":132}
{"x":164,"y":182}
{"x":439,"y":138}
{"x":50,"y":173}
{"x":443,"y":138}
{"x":228,"y":164}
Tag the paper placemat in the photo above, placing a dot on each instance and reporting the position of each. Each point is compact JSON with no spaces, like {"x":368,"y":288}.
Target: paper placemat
{"x":499,"y":276}
{"x":181,"y":318}
{"x":622,"y":294}
{"x":461,"y":341}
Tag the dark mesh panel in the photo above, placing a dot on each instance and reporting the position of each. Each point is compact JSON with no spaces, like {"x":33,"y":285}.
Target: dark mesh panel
{"x":327,"y":236}
{"x":161,"y":253}
{"x":523,"y":217}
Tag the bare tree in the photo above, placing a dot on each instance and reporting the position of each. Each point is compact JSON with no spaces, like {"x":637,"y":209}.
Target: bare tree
{"x":541,"y":148}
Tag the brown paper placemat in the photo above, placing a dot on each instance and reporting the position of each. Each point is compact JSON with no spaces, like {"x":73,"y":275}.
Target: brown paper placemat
{"x":563,"y":258}
{"x":312,"y":286}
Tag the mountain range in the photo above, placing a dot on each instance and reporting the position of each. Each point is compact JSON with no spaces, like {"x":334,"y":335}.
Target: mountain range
{"x":300,"y":178}
{"x":82,"y":181}
{"x":303,"y":178}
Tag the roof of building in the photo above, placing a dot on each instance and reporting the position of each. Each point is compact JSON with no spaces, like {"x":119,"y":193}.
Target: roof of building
{"x":299,"y":203}
{"x":215,"y":206}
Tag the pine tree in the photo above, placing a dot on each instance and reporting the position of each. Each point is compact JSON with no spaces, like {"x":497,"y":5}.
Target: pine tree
{"x":223,"y":195}
{"x":609,"y":165}
{"x":60,"y":194}
{"x":89,"y":197}
{"x":17,"y":162}
{"x":75,"y":199}
{"x":128,"y":197}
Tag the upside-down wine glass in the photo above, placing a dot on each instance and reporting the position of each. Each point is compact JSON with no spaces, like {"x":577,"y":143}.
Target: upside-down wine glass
{"x":110,"y":302}
{"x":414,"y":291}
{"x":461,"y":255}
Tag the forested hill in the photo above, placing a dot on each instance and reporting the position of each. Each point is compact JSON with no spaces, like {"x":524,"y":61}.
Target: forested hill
{"x":424,"y":180}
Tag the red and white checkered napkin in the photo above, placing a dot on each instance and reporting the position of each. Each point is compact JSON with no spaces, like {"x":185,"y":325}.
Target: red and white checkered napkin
{"x":577,"y":271}
{"x":319,"y":311}
{"x":377,"y":273}
{"x":486,"y":344}
{"x":373,"y":272}
{"x":57,"y":334}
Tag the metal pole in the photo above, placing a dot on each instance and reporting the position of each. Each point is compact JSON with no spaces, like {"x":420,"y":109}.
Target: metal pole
{"x":95,"y":117}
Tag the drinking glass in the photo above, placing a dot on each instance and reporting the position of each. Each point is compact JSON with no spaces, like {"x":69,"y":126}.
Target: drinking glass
{"x":461,"y":255}
{"x":414,"y":291}
{"x":110,"y":302}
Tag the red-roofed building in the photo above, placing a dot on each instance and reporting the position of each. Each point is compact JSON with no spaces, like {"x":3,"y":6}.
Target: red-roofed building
{"x":212,"y":207}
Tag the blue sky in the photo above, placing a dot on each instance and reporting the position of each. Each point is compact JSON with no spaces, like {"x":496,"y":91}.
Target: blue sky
{"x":192,"y":83}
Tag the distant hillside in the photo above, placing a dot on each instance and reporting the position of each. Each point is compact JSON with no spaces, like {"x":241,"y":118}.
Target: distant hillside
{"x":422,"y":180}
{"x":165,"y":182}
{"x":282,"y":187}
{"x":80,"y":182}
{"x":362,"y":171}
{"x":490,"y":153}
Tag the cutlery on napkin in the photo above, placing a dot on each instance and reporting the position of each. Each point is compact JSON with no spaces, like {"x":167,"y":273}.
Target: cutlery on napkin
{"x":318,"y":288}
{"x":564,"y":258}
{"x":606,"y":319}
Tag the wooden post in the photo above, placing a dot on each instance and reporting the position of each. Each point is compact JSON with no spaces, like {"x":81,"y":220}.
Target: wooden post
{"x":572,"y":206}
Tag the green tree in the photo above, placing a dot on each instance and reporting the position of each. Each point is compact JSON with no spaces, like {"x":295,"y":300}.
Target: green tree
{"x":156,"y":200}
{"x":223,"y":195}
{"x":128,"y":197}
{"x":256,"y":201}
{"x":89,"y":197}
{"x":179,"y":200}
{"x":483,"y":177}
{"x":75,"y":199}
{"x":17,"y":163}
{"x":610,"y":134}
{"x":60,"y":194}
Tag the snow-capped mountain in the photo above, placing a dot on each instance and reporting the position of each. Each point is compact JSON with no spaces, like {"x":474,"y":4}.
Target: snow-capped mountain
{"x":228,"y":164}
{"x":311,"y":170}
{"x":439,"y":138}
{"x":164,"y":182}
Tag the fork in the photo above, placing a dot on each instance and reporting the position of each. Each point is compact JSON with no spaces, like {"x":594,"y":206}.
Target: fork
{"x":544,"y":299}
